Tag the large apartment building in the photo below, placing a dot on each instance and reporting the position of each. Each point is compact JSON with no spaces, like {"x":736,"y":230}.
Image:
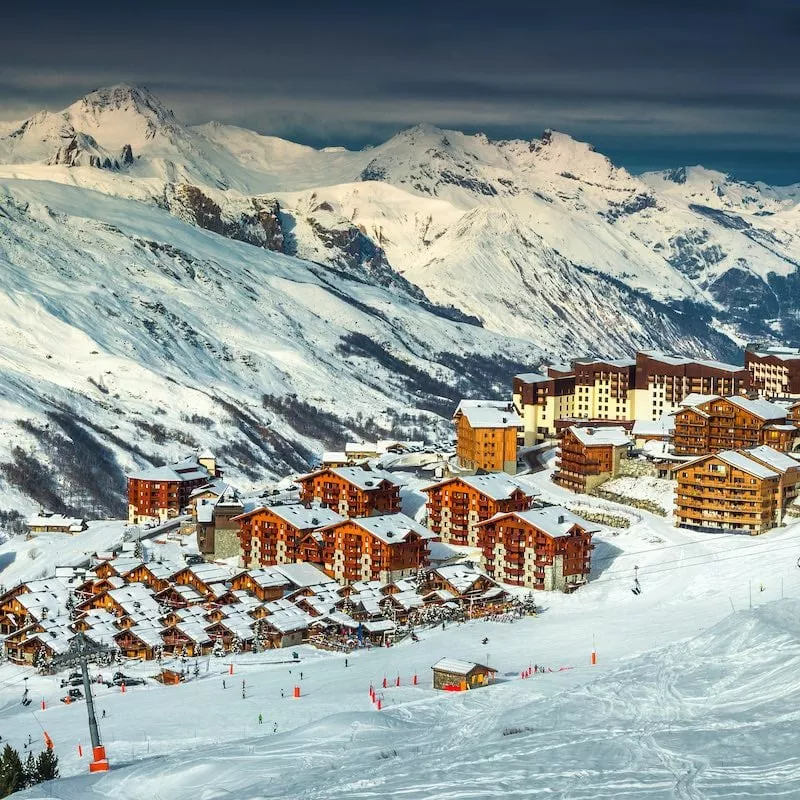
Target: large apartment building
{"x":487,"y":432}
{"x":774,"y":371}
{"x":710,"y":424}
{"x":745,"y":490}
{"x":662,"y":382}
{"x":546,"y":548}
{"x":541,"y":399}
{"x":642,"y":389}
{"x":603,"y":388}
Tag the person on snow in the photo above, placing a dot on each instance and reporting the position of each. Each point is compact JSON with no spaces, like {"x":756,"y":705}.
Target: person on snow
{"x":485,"y":640}
{"x":260,"y":720}
{"x":275,"y":728}
{"x":223,"y":684}
{"x":282,"y":694}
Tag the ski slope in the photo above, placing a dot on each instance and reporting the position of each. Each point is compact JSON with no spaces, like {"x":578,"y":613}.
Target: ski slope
{"x":694,"y":695}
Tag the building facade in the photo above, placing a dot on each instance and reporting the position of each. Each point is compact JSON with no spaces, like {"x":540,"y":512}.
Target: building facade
{"x":383,"y":548}
{"x":161,"y":493}
{"x":743,"y":490}
{"x":272,"y":534}
{"x":587,"y":456}
{"x":543,"y":548}
{"x":540,"y":400}
{"x":662,"y":382}
{"x":712,"y":424}
{"x":603,"y":388}
{"x":774,"y":371}
{"x":457,"y":505}
{"x":487,"y":433}
{"x":351,"y":491}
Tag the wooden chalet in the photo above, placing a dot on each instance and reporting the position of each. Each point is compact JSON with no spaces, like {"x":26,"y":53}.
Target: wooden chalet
{"x":272,"y":534}
{"x":588,"y":456}
{"x":263,"y":584}
{"x":486,"y":433}
{"x":543,"y":548}
{"x":457,"y":505}
{"x":741,"y":490}
{"x":452,"y":674}
{"x":186,"y":638}
{"x":707,"y":425}
{"x":139,"y":642}
{"x":380,"y":548}
{"x":161,"y":493}
{"x":351,"y":491}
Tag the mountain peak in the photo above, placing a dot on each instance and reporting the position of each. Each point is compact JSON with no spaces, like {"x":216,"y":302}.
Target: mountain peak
{"x":124,"y":97}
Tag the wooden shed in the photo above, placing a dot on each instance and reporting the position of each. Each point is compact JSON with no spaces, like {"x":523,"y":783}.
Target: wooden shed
{"x":452,"y":674}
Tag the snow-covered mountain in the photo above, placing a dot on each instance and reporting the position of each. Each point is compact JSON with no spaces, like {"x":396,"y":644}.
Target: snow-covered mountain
{"x":157,"y":280}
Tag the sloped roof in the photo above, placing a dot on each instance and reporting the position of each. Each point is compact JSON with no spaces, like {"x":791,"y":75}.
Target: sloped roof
{"x":459,"y":667}
{"x":393,"y":528}
{"x":555,"y":521}
{"x":773,"y":458}
{"x":760,"y":408}
{"x":496,"y":485}
{"x":489,"y":414}
{"x":597,"y":437}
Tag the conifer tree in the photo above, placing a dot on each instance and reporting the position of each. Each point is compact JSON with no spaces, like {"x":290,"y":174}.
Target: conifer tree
{"x":46,"y":766}
{"x":29,"y":769}
{"x":12,"y":773}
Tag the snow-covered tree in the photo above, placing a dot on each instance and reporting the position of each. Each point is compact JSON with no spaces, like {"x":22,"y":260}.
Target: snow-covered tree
{"x":219,"y":648}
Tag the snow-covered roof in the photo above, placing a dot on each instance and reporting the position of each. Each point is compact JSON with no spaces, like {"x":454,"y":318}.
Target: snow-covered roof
{"x":302,"y":574}
{"x":304,"y":518}
{"x":781,"y":353}
{"x":596,"y":437}
{"x":379,"y":625}
{"x":555,"y":521}
{"x":217,"y":486}
{"x":663,"y":426}
{"x":743,"y":462}
{"x":56,"y":521}
{"x":460,"y":577}
{"x":531,"y":377}
{"x":496,"y":485}
{"x":773,"y":458}
{"x":393,"y":528}
{"x":205,"y":510}
{"x":459,"y":667}
{"x":489,"y":414}
{"x":621,"y":363}
{"x":289,"y":620}
{"x":678,"y":361}
{"x":760,"y":408}
{"x":334,"y":457}
{"x":187,"y":470}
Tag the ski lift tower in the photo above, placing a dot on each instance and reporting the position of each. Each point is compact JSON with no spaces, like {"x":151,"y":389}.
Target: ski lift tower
{"x":80,"y":650}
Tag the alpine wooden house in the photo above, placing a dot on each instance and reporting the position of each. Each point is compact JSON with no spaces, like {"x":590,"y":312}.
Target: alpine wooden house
{"x":543,"y":548}
{"x":588,"y":456}
{"x":487,"y":433}
{"x":351,"y":491}
{"x":272,"y":534}
{"x":382,"y":548}
{"x":742,"y":490}
{"x":710,"y":424}
{"x":161,"y":493}
{"x":457,"y":505}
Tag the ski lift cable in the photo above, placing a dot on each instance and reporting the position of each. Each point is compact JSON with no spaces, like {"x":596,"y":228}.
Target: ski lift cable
{"x":708,"y":558}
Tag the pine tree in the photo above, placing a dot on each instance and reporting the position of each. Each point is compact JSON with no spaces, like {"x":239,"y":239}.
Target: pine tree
{"x":12,"y":773}
{"x":29,"y":770}
{"x":137,"y":550}
{"x":46,"y":766}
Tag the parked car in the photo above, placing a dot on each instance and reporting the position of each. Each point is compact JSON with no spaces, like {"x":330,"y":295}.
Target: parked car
{"x":75,"y":679}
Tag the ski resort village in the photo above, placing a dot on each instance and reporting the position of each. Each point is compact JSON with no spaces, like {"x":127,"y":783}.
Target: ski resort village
{"x":602,"y":509}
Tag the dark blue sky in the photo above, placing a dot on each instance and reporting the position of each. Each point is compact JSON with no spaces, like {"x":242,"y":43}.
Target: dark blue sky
{"x":651,"y":84}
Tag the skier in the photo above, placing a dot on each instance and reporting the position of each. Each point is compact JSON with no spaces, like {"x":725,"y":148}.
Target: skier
{"x":301,"y":676}
{"x":104,"y":714}
{"x":275,"y":728}
{"x":260,"y":720}
{"x":345,"y":663}
{"x":223,"y":684}
{"x":535,"y":668}
{"x":243,"y":695}
{"x":282,"y":694}
{"x":485,"y":640}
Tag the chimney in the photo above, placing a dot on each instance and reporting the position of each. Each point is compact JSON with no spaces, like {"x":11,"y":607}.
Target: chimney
{"x":561,"y":519}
